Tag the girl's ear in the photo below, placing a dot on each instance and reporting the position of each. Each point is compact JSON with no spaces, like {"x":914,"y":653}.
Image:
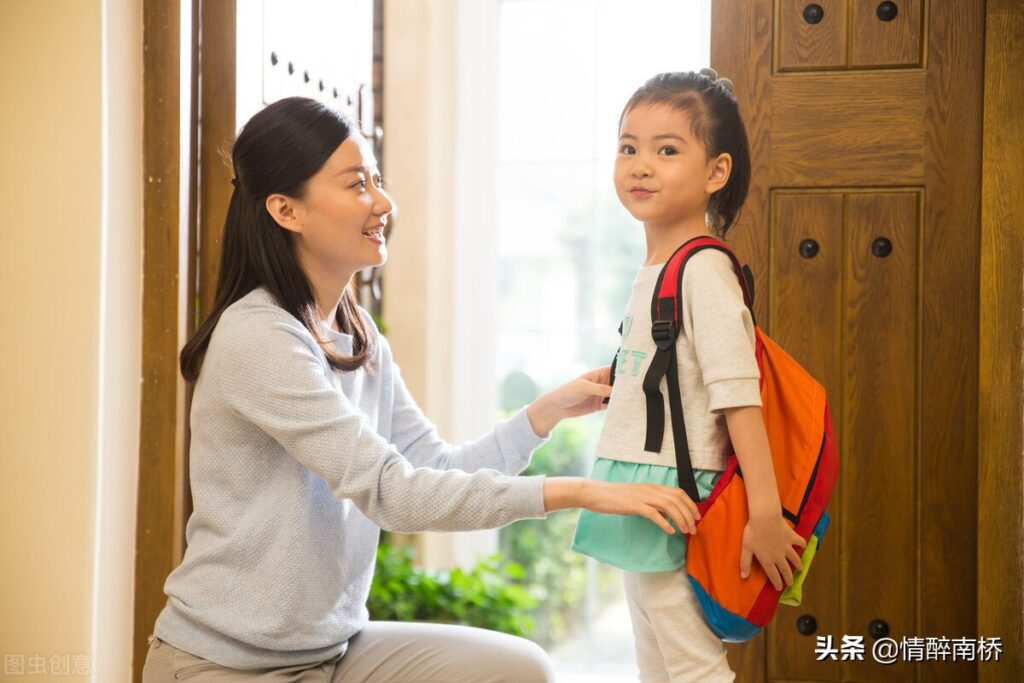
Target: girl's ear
{"x":719,"y":169}
{"x":284,"y":211}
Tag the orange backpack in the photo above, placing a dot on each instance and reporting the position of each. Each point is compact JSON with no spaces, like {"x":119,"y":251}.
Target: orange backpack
{"x":803,"y":451}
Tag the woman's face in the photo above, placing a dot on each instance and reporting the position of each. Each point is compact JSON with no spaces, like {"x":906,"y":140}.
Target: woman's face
{"x":339,"y":225}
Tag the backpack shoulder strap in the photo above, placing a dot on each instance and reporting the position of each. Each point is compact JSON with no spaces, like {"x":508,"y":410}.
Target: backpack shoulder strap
{"x":666,"y":322}
{"x":615,"y":363}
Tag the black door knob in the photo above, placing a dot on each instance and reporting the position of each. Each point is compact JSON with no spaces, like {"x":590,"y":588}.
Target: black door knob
{"x":813,"y":13}
{"x":881,"y":247}
{"x":878,"y":629}
{"x":808,"y":248}
{"x":887,"y":11}
{"x":806,"y":624}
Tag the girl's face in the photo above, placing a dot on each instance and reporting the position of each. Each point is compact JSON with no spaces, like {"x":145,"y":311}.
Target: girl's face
{"x":338,"y":227}
{"x":662,"y":173}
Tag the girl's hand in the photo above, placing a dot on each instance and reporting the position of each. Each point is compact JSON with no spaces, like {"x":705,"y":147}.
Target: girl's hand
{"x":648,"y":500}
{"x":771,"y":541}
{"x":581,"y":396}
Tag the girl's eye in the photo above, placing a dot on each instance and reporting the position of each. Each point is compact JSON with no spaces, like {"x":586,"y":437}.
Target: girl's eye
{"x":667,"y":151}
{"x":379,"y":181}
{"x":627,"y":149}
{"x":361,"y":184}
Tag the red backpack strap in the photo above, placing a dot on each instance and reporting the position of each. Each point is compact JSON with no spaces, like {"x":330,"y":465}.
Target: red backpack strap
{"x":666,"y":322}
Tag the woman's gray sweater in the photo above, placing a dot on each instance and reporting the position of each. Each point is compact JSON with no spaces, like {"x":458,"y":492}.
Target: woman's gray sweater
{"x":295,"y":468}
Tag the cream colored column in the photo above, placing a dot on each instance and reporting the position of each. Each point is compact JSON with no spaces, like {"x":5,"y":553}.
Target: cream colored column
{"x":420,"y":112}
{"x":70,"y":273}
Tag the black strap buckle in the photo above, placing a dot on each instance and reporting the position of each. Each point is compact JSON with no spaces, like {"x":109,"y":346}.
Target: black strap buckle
{"x":664,"y":333}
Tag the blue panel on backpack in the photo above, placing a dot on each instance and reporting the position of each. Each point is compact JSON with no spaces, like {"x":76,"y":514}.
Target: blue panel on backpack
{"x":819,"y":528}
{"x":726,"y":625}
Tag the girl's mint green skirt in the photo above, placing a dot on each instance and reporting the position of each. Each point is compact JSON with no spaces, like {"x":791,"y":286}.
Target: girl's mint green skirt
{"x":632,"y":542}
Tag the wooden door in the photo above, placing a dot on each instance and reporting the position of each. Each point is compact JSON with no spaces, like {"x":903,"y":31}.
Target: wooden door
{"x":862,"y":228}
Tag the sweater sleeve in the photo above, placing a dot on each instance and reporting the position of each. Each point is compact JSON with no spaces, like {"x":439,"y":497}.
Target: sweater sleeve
{"x":271,"y":373}
{"x":506,"y":448}
{"x":716,"y":318}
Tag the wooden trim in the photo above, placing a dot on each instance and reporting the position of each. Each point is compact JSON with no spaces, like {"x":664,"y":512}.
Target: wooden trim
{"x":161,"y":444}
{"x":169,"y":271}
{"x":217,"y":26}
{"x":1001,"y":331}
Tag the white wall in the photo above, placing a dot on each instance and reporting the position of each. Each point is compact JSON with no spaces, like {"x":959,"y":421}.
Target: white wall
{"x":70,"y":277}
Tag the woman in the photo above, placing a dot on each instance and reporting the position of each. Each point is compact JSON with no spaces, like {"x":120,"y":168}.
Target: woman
{"x":306,"y":442}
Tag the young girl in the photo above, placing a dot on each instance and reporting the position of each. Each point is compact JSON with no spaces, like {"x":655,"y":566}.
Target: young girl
{"x":683,"y":169}
{"x":306,"y":442}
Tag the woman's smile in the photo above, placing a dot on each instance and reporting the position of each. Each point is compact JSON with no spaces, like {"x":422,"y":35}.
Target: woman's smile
{"x":375,"y":233}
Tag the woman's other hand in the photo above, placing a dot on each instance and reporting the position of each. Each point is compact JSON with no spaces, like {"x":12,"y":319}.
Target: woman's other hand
{"x":657,"y":503}
{"x":581,"y":396}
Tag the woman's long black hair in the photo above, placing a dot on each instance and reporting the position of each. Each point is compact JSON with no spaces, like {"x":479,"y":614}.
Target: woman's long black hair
{"x":277,"y":152}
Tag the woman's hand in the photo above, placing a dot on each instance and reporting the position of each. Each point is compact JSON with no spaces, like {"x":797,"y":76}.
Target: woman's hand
{"x":581,"y":396}
{"x":768,"y":538}
{"x":652,"y":501}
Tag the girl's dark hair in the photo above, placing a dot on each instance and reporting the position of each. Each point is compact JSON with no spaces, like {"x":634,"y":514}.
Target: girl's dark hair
{"x":277,"y":152}
{"x":714,"y":120}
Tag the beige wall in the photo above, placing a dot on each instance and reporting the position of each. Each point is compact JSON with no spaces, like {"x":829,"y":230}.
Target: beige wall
{"x":70,"y":168}
{"x":420,"y":286}
{"x":419,"y":112}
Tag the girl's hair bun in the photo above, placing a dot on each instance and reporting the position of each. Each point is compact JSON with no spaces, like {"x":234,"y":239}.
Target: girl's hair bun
{"x":713,"y":75}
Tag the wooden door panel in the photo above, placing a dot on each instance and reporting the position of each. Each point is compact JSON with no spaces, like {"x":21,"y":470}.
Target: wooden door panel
{"x":806,"y":307}
{"x":878,"y":40}
{"x":847,"y":129}
{"x":803,"y":45}
{"x":878,"y":456}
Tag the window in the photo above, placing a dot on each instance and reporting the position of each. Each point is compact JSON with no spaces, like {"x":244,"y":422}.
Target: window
{"x":552,"y":255}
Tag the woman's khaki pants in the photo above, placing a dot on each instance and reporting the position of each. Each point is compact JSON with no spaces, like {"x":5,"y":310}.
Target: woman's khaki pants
{"x":383,"y":652}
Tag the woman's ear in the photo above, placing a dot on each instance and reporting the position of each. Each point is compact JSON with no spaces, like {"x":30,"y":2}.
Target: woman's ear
{"x":284,"y":211}
{"x":719,"y":169}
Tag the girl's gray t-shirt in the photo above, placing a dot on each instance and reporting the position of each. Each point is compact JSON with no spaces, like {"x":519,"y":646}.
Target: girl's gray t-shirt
{"x":715,"y":358}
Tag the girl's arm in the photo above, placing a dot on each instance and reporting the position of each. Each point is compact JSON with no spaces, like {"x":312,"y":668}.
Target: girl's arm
{"x":767,"y":536}
{"x":749,"y":438}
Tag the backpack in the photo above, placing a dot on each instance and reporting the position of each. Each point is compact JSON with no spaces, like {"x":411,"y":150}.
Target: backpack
{"x":803,"y":448}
